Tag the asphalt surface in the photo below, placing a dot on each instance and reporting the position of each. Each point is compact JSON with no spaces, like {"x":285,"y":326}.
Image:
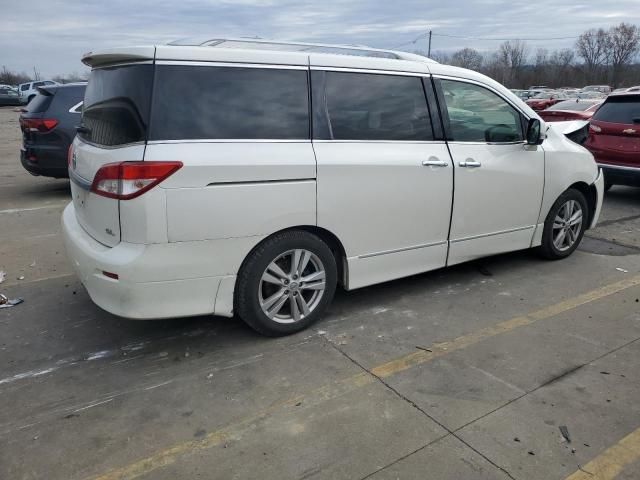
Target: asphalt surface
{"x":464,"y":373}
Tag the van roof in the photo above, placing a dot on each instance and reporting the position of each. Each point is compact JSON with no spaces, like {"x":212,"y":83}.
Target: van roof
{"x":257,"y":51}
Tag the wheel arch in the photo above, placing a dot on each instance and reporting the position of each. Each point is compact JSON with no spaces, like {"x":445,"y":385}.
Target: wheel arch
{"x":328,"y":237}
{"x":591,"y":194}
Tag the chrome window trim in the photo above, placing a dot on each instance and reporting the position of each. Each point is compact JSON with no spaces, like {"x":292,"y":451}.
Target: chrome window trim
{"x":369,"y":70}
{"x":229,"y":140}
{"x":460,"y":142}
{"x":395,"y":142}
{"x":214,"y":63}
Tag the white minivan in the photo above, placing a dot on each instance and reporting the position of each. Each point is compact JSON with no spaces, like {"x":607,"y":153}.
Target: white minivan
{"x":251,"y":177}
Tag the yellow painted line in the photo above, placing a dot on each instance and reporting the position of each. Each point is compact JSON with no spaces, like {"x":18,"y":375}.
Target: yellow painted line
{"x":235,"y":431}
{"x":440,"y":349}
{"x":610,"y":463}
{"x":322,"y":394}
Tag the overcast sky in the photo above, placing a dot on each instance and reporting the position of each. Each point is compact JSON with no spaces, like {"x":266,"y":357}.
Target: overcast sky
{"x":53,"y":34}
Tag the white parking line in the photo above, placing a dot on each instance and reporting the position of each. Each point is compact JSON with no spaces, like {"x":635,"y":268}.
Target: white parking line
{"x":31,"y":209}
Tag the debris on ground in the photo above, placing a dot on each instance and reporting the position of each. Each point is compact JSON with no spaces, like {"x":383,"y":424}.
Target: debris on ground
{"x":21,"y":277}
{"x":565,"y":433}
{"x":2,"y":276}
{"x":8,"y":303}
{"x":622,"y":270}
{"x":32,"y":264}
{"x":423,"y":348}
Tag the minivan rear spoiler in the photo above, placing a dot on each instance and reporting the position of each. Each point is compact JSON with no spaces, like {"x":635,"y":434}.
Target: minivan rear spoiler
{"x":118,"y":55}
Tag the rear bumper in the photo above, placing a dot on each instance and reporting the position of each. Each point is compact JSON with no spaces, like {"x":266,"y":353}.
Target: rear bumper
{"x":621,"y":175}
{"x":141,"y":292}
{"x":50,"y":162}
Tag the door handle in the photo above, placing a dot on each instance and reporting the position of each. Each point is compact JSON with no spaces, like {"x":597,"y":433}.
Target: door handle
{"x":434,"y":162}
{"x":470,"y":163}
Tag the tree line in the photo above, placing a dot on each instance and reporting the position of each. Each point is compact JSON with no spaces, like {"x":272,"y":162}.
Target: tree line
{"x":10,"y":77}
{"x":599,"y":56}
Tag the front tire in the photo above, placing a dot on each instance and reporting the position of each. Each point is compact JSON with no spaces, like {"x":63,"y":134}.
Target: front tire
{"x":286,"y":283}
{"x":565,"y":225}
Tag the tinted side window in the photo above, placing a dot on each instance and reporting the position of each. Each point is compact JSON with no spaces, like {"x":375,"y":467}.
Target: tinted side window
{"x":116,"y":105}
{"x":37,"y":84}
{"x":200,"y":102}
{"x":479,"y":115}
{"x":364,"y":106}
{"x":24,"y":88}
{"x":619,"y":110}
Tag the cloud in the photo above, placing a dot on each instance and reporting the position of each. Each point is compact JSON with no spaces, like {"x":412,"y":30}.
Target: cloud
{"x":52,"y":34}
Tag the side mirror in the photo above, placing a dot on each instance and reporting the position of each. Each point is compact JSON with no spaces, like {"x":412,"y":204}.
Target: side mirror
{"x":534,"y":132}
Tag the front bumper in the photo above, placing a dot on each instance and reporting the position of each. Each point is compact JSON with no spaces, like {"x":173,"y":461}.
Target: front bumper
{"x":621,"y":175}
{"x":599,"y":184}
{"x":140,"y":292}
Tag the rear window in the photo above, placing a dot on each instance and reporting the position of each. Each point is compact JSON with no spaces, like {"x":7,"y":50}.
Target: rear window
{"x":40,"y":103}
{"x":619,"y":110}
{"x":201,"y":102}
{"x":116,"y":105}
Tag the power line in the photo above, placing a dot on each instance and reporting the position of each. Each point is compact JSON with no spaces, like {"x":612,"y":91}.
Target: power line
{"x":464,"y":37}
{"x":537,"y":39}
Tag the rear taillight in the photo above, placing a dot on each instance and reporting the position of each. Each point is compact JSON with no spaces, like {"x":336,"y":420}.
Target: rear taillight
{"x":126,"y":180}
{"x":69,"y":155}
{"x":38,"y":124}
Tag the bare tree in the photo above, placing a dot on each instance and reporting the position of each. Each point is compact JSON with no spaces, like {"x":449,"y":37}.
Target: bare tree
{"x":467,"y":58}
{"x":12,"y":78}
{"x":593,"y":47}
{"x":513,"y":56}
{"x":624,"y":43}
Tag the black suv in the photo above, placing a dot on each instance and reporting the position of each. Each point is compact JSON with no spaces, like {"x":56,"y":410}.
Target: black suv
{"x":48,"y":126}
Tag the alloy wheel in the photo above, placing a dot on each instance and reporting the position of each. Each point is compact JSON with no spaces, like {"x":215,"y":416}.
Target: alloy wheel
{"x":567,"y":225}
{"x":292,"y":286}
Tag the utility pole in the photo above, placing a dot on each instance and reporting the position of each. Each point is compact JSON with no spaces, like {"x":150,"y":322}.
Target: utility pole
{"x":429,"y":51}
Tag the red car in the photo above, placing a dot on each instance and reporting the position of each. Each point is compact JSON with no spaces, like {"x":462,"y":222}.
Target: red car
{"x":567,"y":110}
{"x":614,"y":138}
{"x":544,"y":100}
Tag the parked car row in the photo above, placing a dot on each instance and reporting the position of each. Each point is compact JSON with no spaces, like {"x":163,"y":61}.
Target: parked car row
{"x":48,"y":127}
{"x":612,"y":133}
{"x":25,"y":92}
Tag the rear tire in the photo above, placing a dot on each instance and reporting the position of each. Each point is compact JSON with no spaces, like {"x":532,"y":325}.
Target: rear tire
{"x":277,"y":298}
{"x":607,"y":186}
{"x":31,"y":97}
{"x":564,"y":226}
